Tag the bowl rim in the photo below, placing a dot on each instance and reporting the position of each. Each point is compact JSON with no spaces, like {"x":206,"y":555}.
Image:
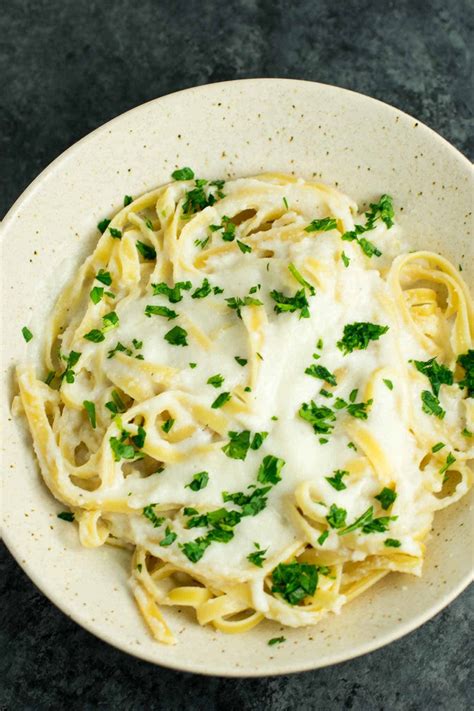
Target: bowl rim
{"x":401,"y":629}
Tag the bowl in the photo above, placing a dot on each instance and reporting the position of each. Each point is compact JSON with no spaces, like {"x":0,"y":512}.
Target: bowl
{"x":239,"y":128}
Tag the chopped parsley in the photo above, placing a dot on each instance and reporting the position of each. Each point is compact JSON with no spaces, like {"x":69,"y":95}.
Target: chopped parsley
{"x":104,"y":277}
{"x":336,"y":480}
{"x":236,"y":303}
{"x":290,"y":304}
{"x":319,"y":416}
{"x":450,"y":459}
{"x":466,"y":361}
{"x":50,"y":377}
{"x":270,"y":469}
{"x":27,"y":335}
{"x":177,"y":336}
{"x":160,"y":311}
{"x":386,"y":497}
{"x":103,"y":224}
{"x":388,"y":383}
{"x":116,"y":234}
{"x":436,"y":447}
{"x":96,"y":294}
{"x":392,"y":543}
{"x":431,"y":405}
{"x":193,"y":365}
{"x":71,"y":361}
{"x":294,"y":581}
{"x":276,"y":640}
{"x":111,"y":320}
{"x":241,"y":361}
{"x":244,"y":248}
{"x":198,"y":482}
{"x":194,"y":550}
{"x":285,"y":202}
{"x":345,"y":259}
{"x":167,"y":424}
{"x":172,"y":292}
{"x":127,"y":200}
{"x":336,"y":517}
{"x":228,"y":227}
{"x":146,"y":250}
{"x":170,"y":537}
{"x":238,"y":445}
{"x":437,"y":374}
{"x":197,"y":199}
{"x":356,"y":336}
{"x":257,"y":557}
{"x":323,"y":225}
{"x":66,"y":516}
{"x":201,"y":242}
{"x":258,"y":440}
{"x":319,"y":371}
{"x":215,"y":380}
{"x":467,"y":433}
{"x":95,"y":336}
{"x":301,"y":280}
{"x":89,"y":407}
{"x":323,"y":537}
{"x":202,"y":291}
{"x":221,"y":400}
{"x":251,"y":504}
{"x":149,"y":513}
{"x":383,"y":210}
{"x":183,"y":174}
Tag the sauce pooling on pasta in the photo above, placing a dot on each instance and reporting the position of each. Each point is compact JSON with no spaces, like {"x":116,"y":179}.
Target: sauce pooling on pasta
{"x":248,"y":386}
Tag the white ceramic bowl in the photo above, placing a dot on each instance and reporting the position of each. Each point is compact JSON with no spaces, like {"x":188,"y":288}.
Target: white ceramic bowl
{"x":233,"y":129}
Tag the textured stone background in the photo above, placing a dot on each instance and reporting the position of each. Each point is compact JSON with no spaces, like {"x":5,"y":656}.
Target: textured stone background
{"x":67,"y":66}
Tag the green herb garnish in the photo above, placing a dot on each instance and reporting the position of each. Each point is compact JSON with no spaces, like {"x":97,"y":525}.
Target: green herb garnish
{"x":183,"y":174}
{"x":177,"y":336}
{"x":90,"y":409}
{"x":270,"y":469}
{"x":198,"y":482}
{"x":221,"y":400}
{"x":322,"y":225}
{"x":27,"y":335}
{"x":336,"y":480}
{"x":294,"y":581}
{"x":146,"y":250}
{"x":356,"y":336}
{"x":431,"y":405}
{"x":386,"y":497}
{"x":319,"y":371}
{"x":160,"y":311}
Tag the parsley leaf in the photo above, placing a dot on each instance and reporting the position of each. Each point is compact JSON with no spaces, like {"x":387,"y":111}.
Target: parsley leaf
{"x":345,"y":259}
{"x":221,"y":400}
{"x":466,"y":361}
{"x":251,"y":504}
{"x":96,"y":294}
{"x":146,"y":250}
{"x":202,"y":291}
{"x":356,"y":336}
{"x":172,"y":292}
{"x":386,"y":497}
{"x":450,"y":459}
{"x":301,"y":280}
{"x":27,"y":335}
{"x":71,"y":361}
{"x":121,"y":450}
{"x":294,"y":581}
{"x":160,"y":311}
{"x":319,"y":371}
{"x":258,"y":440}
{"x":388,"y":383}
{"x":257,"y":557}
{"x":95,"y":336}
{"x":290,"y":304}
{"x":236,"y":303}
{"x":244,"y":248}
{"x":127,"y":200}
{"x":431,"y":405}
{"x":198,"y":482}
{"x":149,"y":513}
{"x":90,"y":409}
{"x":177,"y":336}
{"x":336,"y":517}
{"x":238,"y":445}
{"x":392,"y":543}
{"x":323,"y":537}
{"x":167,"y":424}
{"x":276,"y":640}
{"x":104,"y":277}
{"x":438,"y":446}
{"x":183,"y":174}
{"x":323,"y":225}
{"x":241,"y":361}
{"x":116,"y":234}
{"x":103,"y":224}
{"x":269,"y":470}
{"x":66,"y":516}
{"x":336,"y":480}
{"x":215,"y":380}
{"x":170,"y":537}
{"x":194,"y":550}
{"x":320,"y":417}
{"x":437,"y":374}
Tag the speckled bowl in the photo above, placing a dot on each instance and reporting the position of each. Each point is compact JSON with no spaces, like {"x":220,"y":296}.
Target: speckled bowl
{"x":233,"y":129}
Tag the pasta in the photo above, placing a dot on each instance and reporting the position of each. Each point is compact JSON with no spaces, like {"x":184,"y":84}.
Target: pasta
{"x":249,"y":389}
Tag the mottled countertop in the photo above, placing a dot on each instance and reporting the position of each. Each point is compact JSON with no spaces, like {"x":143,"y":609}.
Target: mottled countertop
{"x":67,"y":66}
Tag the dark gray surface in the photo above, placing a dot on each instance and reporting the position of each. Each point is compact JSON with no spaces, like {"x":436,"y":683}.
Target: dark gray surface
{"x":68,"y":66}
